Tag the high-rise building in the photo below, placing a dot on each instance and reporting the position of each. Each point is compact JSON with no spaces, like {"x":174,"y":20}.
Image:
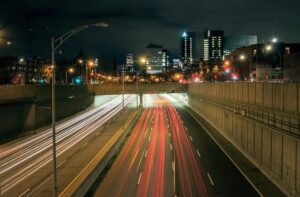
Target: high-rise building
{"x":165,"y":59}
{"x":154,"y":54}
{"x":187,"y":47}
{"x":213,"y":45}
{"x":216,"y":42}
{"x":206,"y":45}
{"x":129,"y":62}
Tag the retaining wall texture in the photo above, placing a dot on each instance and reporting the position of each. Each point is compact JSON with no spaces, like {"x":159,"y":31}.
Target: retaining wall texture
{"x":262,"y":120}
{"x":142,"y":88}
{"x":26,"y":108}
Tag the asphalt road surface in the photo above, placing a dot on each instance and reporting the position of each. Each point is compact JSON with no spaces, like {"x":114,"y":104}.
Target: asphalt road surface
{"x":167,"y":154}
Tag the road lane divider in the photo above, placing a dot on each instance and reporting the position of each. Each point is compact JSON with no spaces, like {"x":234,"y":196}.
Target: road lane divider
{"x":84,"y":180}
{"x":140,"y":161}
{"x":139,"y":178}
{"x":191,"y":138}
{"x":210,"y":179}
{"x":23,"y":194}
{"x":61,"y":163}
{"x":199,"y":155}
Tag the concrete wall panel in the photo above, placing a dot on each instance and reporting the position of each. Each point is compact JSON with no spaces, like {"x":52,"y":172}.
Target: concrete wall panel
{"x":290,"y":99}
{"x":267,"y":95}
{"x":278,"y":96}
{"x":258,"y":144}
{"x":276,"y":163}
{"x":245,"y":92}
{"x":259,"y":93}
{"x":252,"y":96}
{"x":251,"y":138}
{"x":266,"y":149}
{"x":289,"y":163}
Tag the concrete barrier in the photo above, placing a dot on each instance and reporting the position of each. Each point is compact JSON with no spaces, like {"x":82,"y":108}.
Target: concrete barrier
{"x":142,"y":88}
{"x":26,"y":108}
{"x":264,"y":127}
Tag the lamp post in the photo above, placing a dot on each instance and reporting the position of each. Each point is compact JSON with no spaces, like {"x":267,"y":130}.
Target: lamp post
{"x":270,"y":48}
{"x":87,"y":70}
{"x":55,"y":44}
{"x":142,"y":60}
{"x":69,"y":70}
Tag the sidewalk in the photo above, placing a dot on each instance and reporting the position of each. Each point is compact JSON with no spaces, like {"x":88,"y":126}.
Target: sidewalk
{"x":255,"y":177}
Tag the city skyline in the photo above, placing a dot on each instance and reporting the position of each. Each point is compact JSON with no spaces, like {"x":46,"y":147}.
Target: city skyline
{"x":134,"y":25}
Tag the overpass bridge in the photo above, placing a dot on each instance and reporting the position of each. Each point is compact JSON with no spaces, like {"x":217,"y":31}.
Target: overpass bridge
{"x":33,"y":102}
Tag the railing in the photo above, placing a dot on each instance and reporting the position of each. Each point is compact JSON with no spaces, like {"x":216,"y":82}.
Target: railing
{"x":282,"y":122}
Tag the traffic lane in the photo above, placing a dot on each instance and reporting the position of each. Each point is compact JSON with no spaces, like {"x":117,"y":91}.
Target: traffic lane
{"x":122,"y":178}
{"x":224,"y":177}
{"x":189,"y":175}
{"x":157,"y":177}
{"x":22,"y":159}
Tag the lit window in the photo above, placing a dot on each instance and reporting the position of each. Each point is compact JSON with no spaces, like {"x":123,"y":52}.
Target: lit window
{"x":287,"y":50}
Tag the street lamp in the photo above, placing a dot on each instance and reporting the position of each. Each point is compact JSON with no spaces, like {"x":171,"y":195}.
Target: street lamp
{"x":55,"y":44}
{"x":274,"y":40}
{"x":69,"y":70}
{"x":88,"y":65}
{"x":242,"y":57}
{"x":143,"y":61}
{"x":270,"y":48}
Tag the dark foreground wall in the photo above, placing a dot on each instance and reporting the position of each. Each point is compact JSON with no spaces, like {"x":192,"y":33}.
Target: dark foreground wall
{"x":25,"y":108}
{"x":262,"y":120}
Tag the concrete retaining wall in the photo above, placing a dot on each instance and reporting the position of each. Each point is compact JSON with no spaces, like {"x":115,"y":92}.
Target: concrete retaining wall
{"x":142,"y":88}
{"x":30,"y":108}
{"x":275,"y":151}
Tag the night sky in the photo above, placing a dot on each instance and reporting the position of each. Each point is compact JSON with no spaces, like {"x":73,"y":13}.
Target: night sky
{"x":134,"y":24}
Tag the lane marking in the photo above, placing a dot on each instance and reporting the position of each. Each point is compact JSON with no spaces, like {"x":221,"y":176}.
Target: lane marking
{"x":39,"y":186}
{"x":210,"y":179}
{"x":150,"y":136}
{"x":139,"y":178}
{"x":84,"y":145}
{"x":146,"y":153}
{"x":140,"y":162}
{"x":24,"y":192}
{"x":61,"y":163}
{"x":173,"y":166}
{"x":228,"y":156}
{"x":169,"y":134}
{"x":186,"y":128}
{"x":191,"y":138}
{"x":171,"y":146}
{"x":198,"y":153}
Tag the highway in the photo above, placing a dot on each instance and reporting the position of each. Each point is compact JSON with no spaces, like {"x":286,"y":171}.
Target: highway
{"x":21,"y":159}
{"x":167,"y":154}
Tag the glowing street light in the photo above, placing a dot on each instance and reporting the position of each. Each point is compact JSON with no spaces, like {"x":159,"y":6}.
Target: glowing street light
{"x":274,"y":40}
{"x":242,"y":57}
{"x":226,"y":63}
{"x":143,"y":60}
{"x":69,"y":70}
{"x":269,"y":47}
{"x":91,"y":63}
